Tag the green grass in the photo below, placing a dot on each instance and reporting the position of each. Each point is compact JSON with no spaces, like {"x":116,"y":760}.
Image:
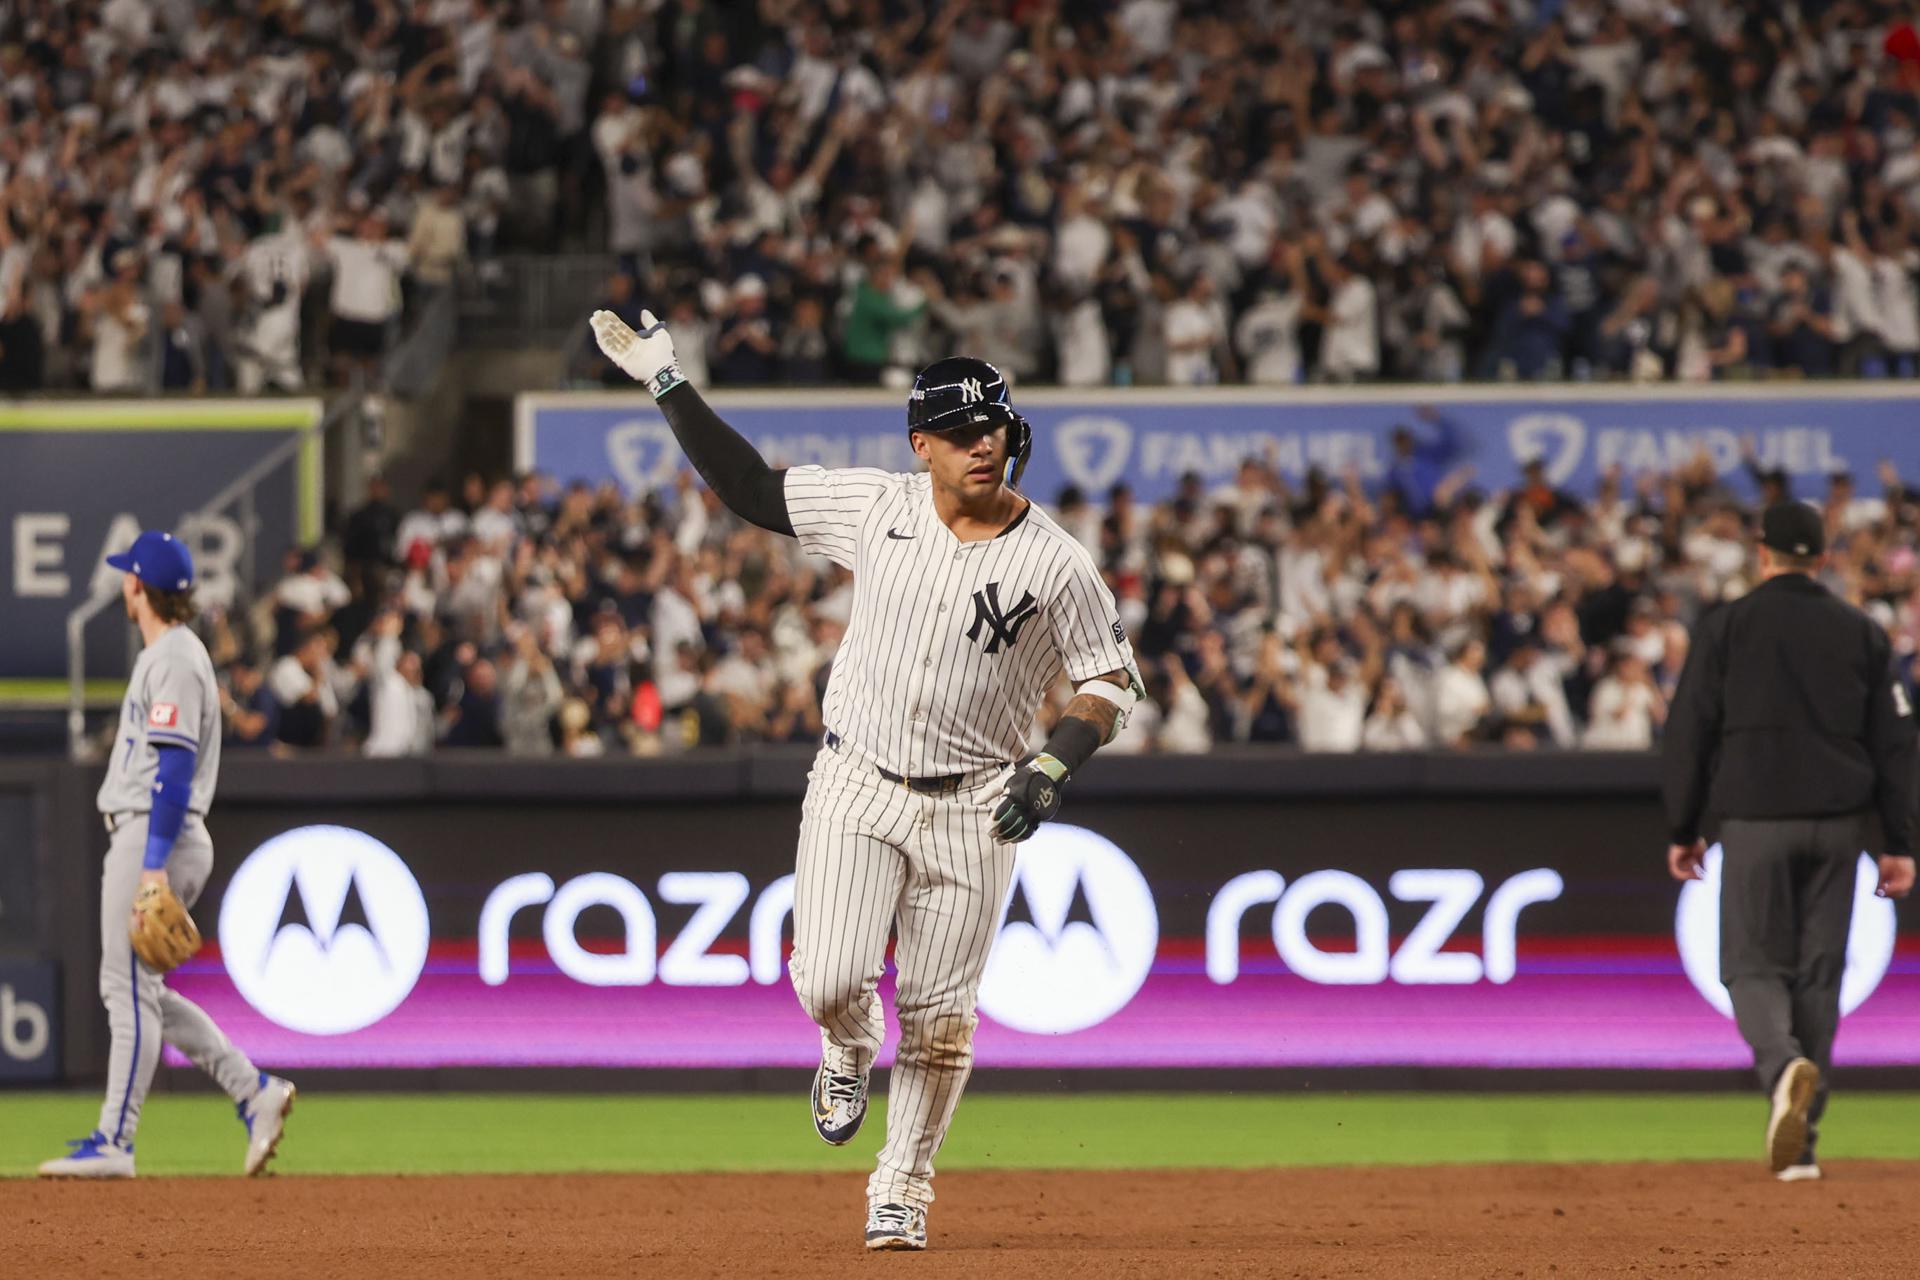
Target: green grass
{"x":537,"y":1133}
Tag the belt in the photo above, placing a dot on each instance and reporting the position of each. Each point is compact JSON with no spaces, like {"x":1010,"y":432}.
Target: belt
{"x":937,"y":784}
{"x":114,"y":821}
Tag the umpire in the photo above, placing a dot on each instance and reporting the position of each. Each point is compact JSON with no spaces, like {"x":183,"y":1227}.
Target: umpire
{"x":1792,"y":729}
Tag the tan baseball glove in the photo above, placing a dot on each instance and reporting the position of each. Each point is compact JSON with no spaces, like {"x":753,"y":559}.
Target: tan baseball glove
{"x":163,"y":933}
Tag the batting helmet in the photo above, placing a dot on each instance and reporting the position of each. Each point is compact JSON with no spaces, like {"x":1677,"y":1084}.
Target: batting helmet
{"x":962,"y":391}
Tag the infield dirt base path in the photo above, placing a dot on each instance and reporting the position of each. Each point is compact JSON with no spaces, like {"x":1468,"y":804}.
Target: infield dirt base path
{"x":1461,"y":1221}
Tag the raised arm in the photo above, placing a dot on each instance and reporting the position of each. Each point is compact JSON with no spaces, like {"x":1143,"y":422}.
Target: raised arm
{"x":725,"y":459}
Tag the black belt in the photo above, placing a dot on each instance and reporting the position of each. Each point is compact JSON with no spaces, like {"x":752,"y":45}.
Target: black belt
{"x":937,"y":784}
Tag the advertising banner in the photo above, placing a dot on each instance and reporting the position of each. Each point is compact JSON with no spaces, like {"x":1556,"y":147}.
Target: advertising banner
{"x":1149,"y":438}
{"x":29,"y":1022}
{"x":1241,"y":934}
{"x":79,"y":479}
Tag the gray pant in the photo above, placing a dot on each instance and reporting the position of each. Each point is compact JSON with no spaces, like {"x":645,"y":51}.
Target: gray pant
{"x":1786,"y":905}
{"x":141,"y":1012}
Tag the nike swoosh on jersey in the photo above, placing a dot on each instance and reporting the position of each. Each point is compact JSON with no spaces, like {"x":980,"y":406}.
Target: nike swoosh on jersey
{"x":895,"y":533}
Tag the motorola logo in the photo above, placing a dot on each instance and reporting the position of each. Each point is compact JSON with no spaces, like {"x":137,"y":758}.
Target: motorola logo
{"x":324,"y":930}
{"x":1078,"y":937}
{"x":1696,"y":927}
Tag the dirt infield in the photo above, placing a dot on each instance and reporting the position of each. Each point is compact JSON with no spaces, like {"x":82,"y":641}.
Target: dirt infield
{"x":1532,"y":1220}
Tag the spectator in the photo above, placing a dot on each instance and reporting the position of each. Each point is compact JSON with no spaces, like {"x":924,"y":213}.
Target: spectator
{"x":1529,"y":700}
{"x":302,"y":686}
{"x":367,"y":540}
{"x":116,"y":320}
{"x":1333,"y":710}
{"x":305,"y":599}
{"x":251,"y":715}
{"x":876,"y":317}
{"x":1460,"y":699}
{"x":1627,"y":708}
{"x":1391,"y":725}
{"x":366,"y":293}
{"x":529,"y":698}
{"x":745,"y":351}
{"x":1195,"y":329}
{"x":400,"y":714}
{"x":474,"y":719}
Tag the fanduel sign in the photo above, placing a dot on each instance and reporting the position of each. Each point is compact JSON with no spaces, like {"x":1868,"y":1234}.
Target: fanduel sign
{"x":1150,"y":438}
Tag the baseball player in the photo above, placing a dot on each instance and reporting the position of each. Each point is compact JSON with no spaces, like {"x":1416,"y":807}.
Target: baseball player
{"x":969,"y":601}
{"x":160,"y":780}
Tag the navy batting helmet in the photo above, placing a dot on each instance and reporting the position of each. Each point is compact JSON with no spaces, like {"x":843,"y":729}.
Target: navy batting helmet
{"x":962,"y":391}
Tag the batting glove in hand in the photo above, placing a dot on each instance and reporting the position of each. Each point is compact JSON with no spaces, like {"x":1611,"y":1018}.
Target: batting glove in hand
{"x":1032,"y":796}
{"x":646,"y":357}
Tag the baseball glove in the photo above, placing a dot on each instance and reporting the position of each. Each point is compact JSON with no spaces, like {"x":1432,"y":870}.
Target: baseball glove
{"x":163,"y":933}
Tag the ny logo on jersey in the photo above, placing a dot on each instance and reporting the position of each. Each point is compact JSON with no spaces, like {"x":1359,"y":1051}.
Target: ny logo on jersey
{"x":1001,"y":627}
{"x":970,"y":392}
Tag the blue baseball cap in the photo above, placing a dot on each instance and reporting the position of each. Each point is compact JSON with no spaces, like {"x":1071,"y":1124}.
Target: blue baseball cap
{"x":157,"y":559}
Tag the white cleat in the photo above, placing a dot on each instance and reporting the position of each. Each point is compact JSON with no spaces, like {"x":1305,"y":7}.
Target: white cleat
{"x":1805,"y":1171}
{"x":1792,"y":1101}
{"x":91,"y":1157}
{"x":896,"y":1227}
{"x":265,"y":1115}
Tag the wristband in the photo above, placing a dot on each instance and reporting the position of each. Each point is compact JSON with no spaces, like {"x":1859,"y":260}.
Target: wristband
{"x":665,"y":380}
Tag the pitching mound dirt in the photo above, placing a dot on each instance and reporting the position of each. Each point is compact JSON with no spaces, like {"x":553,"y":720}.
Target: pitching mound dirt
{"x":1537,"y":1220}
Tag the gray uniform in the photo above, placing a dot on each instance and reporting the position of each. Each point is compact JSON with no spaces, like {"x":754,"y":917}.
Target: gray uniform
{"x":172,"y":700}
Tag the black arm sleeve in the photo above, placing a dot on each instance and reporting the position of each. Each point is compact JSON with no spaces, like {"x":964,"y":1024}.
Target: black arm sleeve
{"x":1073,"y":742}
{"x":1693,"y":733}
{"x":1890,"y":740}
{"x":730,"y":465}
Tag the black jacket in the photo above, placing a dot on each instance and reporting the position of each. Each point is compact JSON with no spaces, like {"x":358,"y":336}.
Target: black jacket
{"x":1789,"y":707}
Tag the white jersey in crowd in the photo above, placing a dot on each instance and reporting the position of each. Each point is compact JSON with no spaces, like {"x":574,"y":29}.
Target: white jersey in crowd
{"x":172,"y":700}
{"x":951,"y":644}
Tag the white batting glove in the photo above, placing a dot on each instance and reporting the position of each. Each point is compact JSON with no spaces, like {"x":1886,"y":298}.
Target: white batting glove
{"x":646,"y":356}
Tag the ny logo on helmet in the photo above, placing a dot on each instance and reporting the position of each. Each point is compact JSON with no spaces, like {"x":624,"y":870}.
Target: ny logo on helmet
{"x":970,"y":391}
{"x":1001,"y":627}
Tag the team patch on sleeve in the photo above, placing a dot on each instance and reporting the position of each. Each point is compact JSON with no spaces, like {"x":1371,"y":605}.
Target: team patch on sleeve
{"x":1119,"y":633}
{"x":164,"y":715}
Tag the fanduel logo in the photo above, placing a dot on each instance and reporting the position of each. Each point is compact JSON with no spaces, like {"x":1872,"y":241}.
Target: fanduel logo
{"x":643,"y":454}
{"x":1558,"y":440}
{"x":1696,"y":928}
{"x":1093,"y":451}
{"x":1078,"y":937}
{"x":324,"y":930}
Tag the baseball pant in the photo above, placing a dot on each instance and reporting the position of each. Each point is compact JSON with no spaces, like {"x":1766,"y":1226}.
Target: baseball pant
{"x":876,"y":856}
{"x":141,"y":1012}
{"x":1786,"y":906}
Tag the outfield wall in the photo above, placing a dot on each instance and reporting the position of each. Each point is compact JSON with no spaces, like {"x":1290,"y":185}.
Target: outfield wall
{"x":1241,"y":912}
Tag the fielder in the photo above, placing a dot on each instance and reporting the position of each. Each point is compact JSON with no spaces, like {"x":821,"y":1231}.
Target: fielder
{"x":160,"y":780}
{"x":969,"y":601}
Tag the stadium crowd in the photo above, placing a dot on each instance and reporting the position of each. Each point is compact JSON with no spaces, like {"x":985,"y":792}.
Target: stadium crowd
{"x":1335,"y":615}
{"x":1089,"y":192}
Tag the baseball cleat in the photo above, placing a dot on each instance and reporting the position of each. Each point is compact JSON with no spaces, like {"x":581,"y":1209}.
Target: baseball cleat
{"x":91,"y":1157}
{"x":896,"y":1226}
{"x":1787,"y":1126}
{"x":1801,"y":1170}
{"x":839,"y":1105}
{"x":265,"y":1115}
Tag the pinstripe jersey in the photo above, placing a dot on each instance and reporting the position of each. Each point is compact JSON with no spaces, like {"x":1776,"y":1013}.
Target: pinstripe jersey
{"x":951,"y":644}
